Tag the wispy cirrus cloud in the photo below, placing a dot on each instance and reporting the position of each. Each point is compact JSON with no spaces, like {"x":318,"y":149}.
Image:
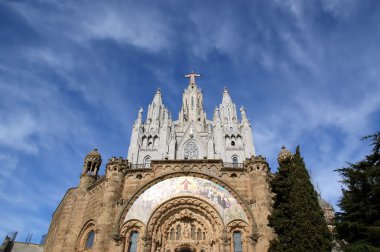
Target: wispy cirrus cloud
{"x":73,"y":74}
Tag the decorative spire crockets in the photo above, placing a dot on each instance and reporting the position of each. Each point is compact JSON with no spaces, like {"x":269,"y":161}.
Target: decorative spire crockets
{"x":162,"y":137}
{"x":139,"y":117}
{"x":157,"y":112}
{"x":244,"y":118}
{"x":192,"y":105}
{"x":227,"y":108}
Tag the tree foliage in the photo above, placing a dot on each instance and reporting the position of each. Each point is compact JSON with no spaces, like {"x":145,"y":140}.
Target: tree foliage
{"x":359,"y":222}
{"x":297,"y":217}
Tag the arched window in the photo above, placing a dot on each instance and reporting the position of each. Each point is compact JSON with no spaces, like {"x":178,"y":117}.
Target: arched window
{"x":147,"y":160}
{"x":93,"y":167}
{"x":178,"y":232}
{"x":172,"y":234}
{"x":193,"y":232}
{"x":86,"y":238}
{"x":89,"y":166}
{"x":144,"y":141}
{"x":227,"y":140}
{"x":235,"y":160}
{"x":150,"y":142}
{"x":155,"y":141}
{"x":90,"y":239}
{"x":133,"y":242}
{"x":199,"y":234}
{"x":237,"y":242}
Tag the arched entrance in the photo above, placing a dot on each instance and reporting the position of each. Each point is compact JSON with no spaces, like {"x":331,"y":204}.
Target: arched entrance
{"x":185,"y":224}
{"x":185,"y":213}
{"x":185,"y":250}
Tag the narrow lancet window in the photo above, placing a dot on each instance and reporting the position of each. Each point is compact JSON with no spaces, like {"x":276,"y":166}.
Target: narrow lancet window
{"x":172,"y":234}
{"x":133,"y":242}
{"x":178,"y":232}
{"x":193,"y":232}
{"x":237,"y":242}
{"x":90,"y":239}
{"x":235,"y":161}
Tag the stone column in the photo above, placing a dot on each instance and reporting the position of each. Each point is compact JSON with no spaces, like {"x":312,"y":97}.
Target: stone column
{"x":262,"y":198}
{"x":224,"y":241}
{"x":147,"y":243}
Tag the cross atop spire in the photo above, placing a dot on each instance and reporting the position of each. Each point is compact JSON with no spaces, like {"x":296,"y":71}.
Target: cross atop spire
{"x":192,"y":77}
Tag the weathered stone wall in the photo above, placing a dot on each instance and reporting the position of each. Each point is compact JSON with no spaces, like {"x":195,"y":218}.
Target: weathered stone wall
{"x":105,"y":201}
{"x":24,"y":247}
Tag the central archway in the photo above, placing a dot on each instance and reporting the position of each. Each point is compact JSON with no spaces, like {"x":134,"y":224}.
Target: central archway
{"x":185,"y":224}
{"x":185,"y":250}
{"x":141,"y":203}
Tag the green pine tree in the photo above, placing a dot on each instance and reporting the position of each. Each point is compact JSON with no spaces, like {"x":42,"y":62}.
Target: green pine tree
{"x":359,"y":222}
{"x":297,"y":217}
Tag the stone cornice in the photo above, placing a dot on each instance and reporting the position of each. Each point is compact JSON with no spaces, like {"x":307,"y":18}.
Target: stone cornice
{"x":188,"y":161}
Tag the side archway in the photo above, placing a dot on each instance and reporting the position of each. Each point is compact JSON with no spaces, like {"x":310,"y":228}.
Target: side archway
{"x":132,"y":233}
{"x":86,"y":237}
{"x":239,"y":235}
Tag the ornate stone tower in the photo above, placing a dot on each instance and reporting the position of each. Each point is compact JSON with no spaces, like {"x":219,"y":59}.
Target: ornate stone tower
{"x":91,"y":165}
{"x":192,"y":136}
{"x":190,"y":184}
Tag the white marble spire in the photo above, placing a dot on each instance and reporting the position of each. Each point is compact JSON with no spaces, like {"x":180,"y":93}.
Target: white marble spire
{"x":161,"y":137}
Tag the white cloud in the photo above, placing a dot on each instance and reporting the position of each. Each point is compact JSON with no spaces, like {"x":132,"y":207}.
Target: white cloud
{"x":46,"y":56}
{"x":16,"y":132}
{"x":144,"y":29}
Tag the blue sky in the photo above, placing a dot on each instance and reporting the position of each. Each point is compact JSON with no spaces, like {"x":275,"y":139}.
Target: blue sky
{"x":74,"y":73}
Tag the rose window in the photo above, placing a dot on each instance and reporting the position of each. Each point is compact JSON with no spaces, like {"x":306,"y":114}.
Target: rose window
{"x":191,"y":150}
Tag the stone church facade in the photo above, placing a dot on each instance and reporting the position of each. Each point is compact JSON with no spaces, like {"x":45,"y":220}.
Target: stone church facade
{"x":190,"y":184}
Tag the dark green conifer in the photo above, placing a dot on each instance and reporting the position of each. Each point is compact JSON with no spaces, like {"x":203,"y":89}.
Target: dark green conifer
{"x":359,"y":222}
{"x":297,"y":217}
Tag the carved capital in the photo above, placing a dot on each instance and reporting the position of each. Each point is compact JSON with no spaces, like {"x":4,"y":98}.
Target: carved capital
{"x":224,"y":238}
{"x":254,"y":237}
{"x":147,"y":240}
{"x":118,"y":239}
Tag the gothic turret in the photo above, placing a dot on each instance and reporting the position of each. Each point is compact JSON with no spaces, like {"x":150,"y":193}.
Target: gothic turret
{"x":92,"y":162}
{"x":228,"y":109}
{"x":91,"y":166}
{"x":156,"y":109}
{"x":246,"y":131}
{"x":149,"y":139}
{"x":192,"y":106}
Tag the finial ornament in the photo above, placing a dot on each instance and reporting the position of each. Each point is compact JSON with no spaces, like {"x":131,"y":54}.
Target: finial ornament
{"x":192,"y":77}
{"x":139,"y":116}
{"x":243,"y":114}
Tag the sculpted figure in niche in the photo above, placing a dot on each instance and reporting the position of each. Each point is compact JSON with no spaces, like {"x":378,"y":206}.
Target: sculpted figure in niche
{"x":187,"y":231}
